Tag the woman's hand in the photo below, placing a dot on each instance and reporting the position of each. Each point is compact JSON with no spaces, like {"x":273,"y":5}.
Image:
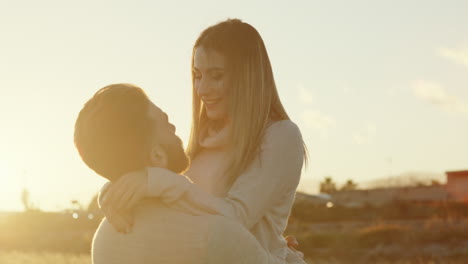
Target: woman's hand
{"x":292,"y":242}
{"x":121,"y":198}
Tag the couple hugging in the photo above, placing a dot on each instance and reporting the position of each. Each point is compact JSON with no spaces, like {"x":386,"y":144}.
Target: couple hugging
{"x":228,"y":199}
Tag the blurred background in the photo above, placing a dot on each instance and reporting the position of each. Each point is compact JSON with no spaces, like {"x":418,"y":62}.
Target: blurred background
{"x":378,"y":89}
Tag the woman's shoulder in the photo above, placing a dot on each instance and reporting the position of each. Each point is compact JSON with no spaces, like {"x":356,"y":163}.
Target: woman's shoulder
{"x":283,"y":135}
{"x":283,"y":128}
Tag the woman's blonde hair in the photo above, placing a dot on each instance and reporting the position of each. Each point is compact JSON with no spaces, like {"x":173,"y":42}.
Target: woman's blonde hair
{"x":253,"y":99}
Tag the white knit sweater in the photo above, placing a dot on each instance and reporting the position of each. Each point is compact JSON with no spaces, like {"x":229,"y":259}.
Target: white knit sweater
{"x":168,"y":236}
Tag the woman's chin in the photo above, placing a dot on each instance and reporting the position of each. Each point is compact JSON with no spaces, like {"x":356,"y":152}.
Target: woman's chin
{"x":214,"y":116}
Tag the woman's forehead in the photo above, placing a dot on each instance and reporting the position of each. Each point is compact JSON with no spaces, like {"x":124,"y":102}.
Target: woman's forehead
{"x":208,"y":59}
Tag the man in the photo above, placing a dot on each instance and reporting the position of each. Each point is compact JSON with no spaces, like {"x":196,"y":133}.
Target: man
{"x":120,"y":130}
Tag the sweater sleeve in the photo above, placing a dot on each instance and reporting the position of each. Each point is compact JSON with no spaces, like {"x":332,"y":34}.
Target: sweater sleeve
{"x":276,"y":172}
{"x":102,"y":193}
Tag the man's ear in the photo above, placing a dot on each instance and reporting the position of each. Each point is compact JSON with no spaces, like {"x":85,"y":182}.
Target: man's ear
{"x":158,"y":157}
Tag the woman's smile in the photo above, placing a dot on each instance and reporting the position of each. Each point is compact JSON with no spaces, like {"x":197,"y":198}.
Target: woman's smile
{"x":212,"y":102}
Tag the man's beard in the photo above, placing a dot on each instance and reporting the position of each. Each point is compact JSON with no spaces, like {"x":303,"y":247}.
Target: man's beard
{"x":177,"y":160}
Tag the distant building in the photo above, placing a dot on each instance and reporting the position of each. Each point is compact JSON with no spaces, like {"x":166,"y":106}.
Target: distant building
{"x":457,"y":185}
{"x":381,"y":196}
{"x":455,"y":190}
{"x":319,"y":200}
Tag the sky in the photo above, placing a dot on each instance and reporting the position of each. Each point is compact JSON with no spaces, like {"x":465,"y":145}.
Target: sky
{"x":378,"y":88}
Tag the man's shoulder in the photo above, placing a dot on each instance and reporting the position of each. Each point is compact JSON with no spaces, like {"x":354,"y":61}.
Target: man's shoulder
{"x":230,"y":242}
{"x":158,"y":235}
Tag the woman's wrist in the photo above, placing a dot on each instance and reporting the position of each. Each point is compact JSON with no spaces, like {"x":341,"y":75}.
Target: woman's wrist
{"x":146,"y":172}
{"x":166,"y":184}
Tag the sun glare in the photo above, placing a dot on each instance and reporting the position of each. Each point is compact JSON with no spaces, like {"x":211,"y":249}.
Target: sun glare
{"x":5,"y":171}
{"x":8,"y":183}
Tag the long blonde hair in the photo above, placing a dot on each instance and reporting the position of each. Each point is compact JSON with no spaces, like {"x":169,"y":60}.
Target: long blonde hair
{"x":253,"y":98}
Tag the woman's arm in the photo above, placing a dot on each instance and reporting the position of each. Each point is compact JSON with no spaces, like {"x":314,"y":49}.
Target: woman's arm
{"x":265,"y":181}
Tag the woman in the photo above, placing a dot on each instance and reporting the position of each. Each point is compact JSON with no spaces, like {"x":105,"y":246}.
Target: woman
{"x":246,"y":154}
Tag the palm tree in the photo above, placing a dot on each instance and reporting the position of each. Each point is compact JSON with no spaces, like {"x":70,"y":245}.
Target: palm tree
{"x":350,"y":185}
{"x":26,"y":200}
{"x":327,"y":185}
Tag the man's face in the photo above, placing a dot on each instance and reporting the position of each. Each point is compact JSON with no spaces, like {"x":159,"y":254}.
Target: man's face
{"x":168,"y":140}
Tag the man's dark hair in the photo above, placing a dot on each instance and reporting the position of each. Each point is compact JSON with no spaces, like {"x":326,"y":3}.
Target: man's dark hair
{"x":113,"y":131}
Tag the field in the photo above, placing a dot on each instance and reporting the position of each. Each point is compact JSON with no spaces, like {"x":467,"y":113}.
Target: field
{"x":415,"y":241}
{"x":15,"y":257}
{"x":341,"y":236}
{"x":69,"y":258}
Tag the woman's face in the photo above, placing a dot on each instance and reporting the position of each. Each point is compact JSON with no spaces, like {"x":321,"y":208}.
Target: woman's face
{"x":209,"y":71}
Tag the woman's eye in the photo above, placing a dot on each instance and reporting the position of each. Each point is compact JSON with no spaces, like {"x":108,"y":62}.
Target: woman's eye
{"x":217,"y":76}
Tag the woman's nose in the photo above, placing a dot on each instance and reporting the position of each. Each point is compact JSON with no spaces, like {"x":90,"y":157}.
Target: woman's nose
{"x":203,"y":88}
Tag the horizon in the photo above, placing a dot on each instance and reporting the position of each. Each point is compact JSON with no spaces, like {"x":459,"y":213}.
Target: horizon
{"x":378,"y":91}
{"x":312,"y":186}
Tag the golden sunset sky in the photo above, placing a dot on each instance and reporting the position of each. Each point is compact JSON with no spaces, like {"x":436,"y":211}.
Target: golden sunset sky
{"x":376,"y":87}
